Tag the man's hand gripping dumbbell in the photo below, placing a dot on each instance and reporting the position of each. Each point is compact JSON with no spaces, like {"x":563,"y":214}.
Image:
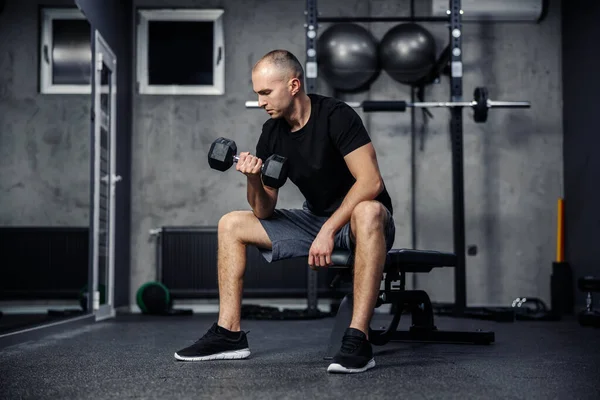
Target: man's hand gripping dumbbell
{"x":223,"y":154}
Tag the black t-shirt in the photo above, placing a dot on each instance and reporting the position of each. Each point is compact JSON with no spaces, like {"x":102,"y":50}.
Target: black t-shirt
{"x":316,"y":152}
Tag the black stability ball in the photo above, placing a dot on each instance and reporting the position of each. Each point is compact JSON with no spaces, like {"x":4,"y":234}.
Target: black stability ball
{"x":347,"y":57}
{"x":407,"y":53}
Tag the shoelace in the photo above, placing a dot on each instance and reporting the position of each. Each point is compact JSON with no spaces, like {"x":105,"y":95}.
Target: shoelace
{"x":350,"y":343}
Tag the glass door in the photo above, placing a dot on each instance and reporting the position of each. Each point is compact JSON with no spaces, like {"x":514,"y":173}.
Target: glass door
{"x":105,"y":178}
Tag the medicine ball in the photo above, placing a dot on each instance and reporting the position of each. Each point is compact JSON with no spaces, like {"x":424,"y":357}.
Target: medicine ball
{"x":347,"y":57}
{"x":407,"y":53}
{"x":154,"y":298}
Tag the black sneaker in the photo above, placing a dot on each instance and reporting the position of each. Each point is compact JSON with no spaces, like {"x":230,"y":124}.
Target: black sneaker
{"x":216,"y":344}
{"x":355,"y":355}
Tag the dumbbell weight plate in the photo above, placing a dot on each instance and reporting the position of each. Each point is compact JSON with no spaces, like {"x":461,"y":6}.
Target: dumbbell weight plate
{"x":481,"y":107}
{"x":275,"y":171}
{"x":589,"y":284}
{"x":220,"y":155}
{"x":589,"y":318}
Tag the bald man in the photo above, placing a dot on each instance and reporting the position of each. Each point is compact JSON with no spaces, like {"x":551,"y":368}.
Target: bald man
{"x":333,"y":163}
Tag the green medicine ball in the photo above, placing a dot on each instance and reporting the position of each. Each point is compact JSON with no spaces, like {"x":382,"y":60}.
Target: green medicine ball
{"x":154,"y":298}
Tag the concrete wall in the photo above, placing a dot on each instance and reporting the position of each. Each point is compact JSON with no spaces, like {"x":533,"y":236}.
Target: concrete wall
{"x":44,"y":139}
{"x":513,"y":164}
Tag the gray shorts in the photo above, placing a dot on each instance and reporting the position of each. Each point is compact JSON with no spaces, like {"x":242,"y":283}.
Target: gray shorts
{"x":292,"y":233}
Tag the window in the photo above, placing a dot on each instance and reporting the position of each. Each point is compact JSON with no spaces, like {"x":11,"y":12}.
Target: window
{"x":65,"y":51}
{"x":180,"y":52}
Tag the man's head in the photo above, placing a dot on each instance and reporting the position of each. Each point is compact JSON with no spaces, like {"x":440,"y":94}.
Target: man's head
{"x":277,"y":78}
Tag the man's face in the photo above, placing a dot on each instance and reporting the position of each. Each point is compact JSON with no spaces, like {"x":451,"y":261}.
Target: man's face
{"x":273,"y":90}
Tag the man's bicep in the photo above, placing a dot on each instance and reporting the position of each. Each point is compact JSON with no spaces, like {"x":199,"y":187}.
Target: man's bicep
{"x":272,"y":193}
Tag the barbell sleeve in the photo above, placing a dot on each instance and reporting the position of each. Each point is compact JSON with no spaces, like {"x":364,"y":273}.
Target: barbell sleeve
{"x":508,"y":104}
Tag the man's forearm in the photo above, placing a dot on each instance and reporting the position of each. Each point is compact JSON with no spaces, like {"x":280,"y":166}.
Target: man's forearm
{"x":262,"y":204}
{"x":359,"y":192}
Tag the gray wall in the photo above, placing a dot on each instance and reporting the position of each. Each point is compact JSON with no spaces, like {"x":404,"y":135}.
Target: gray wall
{"x":44,"y":139}
{"x":513,"y":164}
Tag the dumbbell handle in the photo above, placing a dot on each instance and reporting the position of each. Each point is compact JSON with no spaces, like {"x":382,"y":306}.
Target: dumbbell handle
{"x":276,"y":169}
{"x":236,"y":159}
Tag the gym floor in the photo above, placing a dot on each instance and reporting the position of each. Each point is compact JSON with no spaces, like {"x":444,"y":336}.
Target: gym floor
{"x":132,"y":357}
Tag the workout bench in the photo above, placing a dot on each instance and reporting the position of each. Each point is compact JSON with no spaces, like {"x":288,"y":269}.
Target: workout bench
{"x":417,"y":302}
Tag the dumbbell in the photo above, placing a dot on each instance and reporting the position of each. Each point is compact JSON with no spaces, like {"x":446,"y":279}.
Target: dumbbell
{"x":223,"y":153}
{"x":588,"y":316}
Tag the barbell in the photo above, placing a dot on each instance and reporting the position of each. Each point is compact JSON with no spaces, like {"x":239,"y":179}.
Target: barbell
{"x":480,"y":104}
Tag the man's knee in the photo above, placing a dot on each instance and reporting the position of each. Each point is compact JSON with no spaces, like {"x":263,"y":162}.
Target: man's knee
{"x":243,"y":227}
{"x":233,"y":222}
{"x":369,"y":215}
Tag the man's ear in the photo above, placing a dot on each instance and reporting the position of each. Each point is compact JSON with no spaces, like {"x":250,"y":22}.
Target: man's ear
{"x":295,"y":84}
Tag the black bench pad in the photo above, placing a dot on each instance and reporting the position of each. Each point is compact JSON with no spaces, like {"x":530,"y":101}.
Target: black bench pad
{"x":407,"y":260}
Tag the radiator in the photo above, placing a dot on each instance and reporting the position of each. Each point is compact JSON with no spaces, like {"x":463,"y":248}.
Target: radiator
{"x":43,"y":262}
{"x":186,"y":260}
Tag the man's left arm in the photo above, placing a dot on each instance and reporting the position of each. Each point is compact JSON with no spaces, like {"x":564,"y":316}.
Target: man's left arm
{"x":363,"y":165}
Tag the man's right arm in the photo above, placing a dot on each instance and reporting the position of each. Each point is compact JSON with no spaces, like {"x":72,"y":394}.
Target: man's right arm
{"x":261,"y":198}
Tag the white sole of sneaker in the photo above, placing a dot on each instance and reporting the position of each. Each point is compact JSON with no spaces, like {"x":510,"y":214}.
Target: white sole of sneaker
{"x":339,"y":369}
{"x":227,"y":355}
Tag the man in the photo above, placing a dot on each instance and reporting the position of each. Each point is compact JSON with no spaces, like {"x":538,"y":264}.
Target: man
{"x":333,"y":163}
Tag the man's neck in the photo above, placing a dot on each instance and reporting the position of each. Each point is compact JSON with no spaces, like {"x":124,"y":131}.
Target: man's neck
{"x":300,"y":113}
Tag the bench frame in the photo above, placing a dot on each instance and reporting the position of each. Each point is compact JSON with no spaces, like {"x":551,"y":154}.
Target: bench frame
{"x":417,"y":302}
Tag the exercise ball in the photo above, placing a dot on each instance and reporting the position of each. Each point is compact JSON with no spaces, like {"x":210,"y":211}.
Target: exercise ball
{"x":154,"y":298}
{"x":347,"y":57}
{"x":407,"y":53}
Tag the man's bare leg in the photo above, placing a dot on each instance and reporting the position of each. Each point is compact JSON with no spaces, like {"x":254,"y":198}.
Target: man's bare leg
{"x":368,"y":223}
{"x":236,"y":230}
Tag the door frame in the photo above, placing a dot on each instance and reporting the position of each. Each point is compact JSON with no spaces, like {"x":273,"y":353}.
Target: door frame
{"x":103,"y":54}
